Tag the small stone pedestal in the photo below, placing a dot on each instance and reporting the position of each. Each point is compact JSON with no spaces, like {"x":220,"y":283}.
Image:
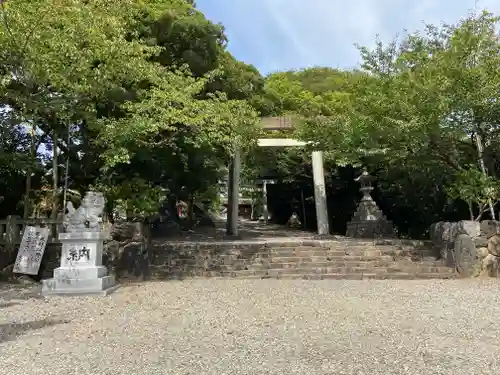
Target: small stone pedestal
{"x":368,"y":221}
{"x":81,"y":271}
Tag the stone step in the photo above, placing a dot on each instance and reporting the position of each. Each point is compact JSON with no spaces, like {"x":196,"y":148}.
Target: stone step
{"x":351,"y":259}
{"x":334,"y":276}
{"x":298,"y":250}
{"x":348,"y":270}
{"x":303,"y":270}
{"x":341,"y":258}
{"x":288,"y":263}
{"x":293,"y":262}
{"x":212,"y":270}
{"x":291,"y":258}
{"x":290,"y":242}
{"x":340,"y":276}
{"x":350,"y":250}
{"x":262,"y":259}
{"x":395,"y":276}
{"x":299,"y":271}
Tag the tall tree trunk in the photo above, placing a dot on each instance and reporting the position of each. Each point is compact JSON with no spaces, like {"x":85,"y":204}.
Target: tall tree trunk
{"x":480,"y":150}
{"x":66,"y":175}
{"x":471,"y":210}
{"x":29,"y":172}
{"x":55,"y":176}
{"x":27,"y":194}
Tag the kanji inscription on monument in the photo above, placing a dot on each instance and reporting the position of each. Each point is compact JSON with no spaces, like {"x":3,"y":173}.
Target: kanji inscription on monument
{"x":29,"y":256}
{"x":78,"y":253}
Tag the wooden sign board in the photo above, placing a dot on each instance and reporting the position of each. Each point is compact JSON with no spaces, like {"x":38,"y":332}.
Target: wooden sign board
{"x":31,"y":250}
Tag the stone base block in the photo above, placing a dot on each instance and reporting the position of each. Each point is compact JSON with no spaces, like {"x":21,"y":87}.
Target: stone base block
{"x":80,"y":272}
{"x":78,"y":286}
{"x":370,"y":229}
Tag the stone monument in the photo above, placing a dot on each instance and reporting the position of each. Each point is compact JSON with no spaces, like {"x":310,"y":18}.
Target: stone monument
{"x":368,"y":221}
{"x":81,"y":270}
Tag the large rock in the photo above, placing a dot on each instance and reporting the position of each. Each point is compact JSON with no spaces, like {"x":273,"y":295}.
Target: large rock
{"x":465,"y":255}
{"x":469,"y":227}
{"x":472,"y":247}
{"x":443,"y":232}
{"x":127,"y":254}
{"x":443,"y":236}
{"x":490,"y":228}
{"x":482,"y":252}
{"x":449,"y":232}
{"x":494,"y":245}
{"x":490,"y":266}
{"x":124,"y":230}
{"x":481,"y":241}
{"x":436,"y":231}
{"x":134,"y":261}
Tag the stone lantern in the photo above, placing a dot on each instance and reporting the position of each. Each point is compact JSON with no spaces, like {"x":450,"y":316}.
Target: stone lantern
{"x":368,"y":221}
{"x":366,"y":185}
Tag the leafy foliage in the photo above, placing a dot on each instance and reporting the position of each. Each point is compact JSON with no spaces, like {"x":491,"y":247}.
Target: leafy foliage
{"x":110,"y":82}
{"x":430,"y":99}
{"x":474,"y":187}
{"x":143,"y":101}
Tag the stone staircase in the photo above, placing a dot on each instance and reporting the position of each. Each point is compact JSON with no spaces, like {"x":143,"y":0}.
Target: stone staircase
{"x":297,"y":259}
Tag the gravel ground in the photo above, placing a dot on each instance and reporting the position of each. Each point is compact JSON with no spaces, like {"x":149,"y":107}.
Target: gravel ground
{"x":257,"y":327}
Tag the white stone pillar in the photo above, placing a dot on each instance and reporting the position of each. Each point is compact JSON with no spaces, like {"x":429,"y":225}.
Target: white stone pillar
{"x":320,"y":193}
{"x":264,"y":196}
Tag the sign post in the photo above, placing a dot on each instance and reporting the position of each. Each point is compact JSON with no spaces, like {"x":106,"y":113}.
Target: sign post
{"x":30,"y":254}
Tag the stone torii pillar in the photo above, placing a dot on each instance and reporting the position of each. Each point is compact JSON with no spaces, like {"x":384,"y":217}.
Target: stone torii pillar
{"x":233,"y":194}
{"x":265,"y":206}
{"x":320,"y":193}
{"x":318,"y":179}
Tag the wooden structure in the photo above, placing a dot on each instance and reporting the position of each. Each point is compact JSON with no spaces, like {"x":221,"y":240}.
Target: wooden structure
{"x":277,"y":123}
{"x":11,"y":229}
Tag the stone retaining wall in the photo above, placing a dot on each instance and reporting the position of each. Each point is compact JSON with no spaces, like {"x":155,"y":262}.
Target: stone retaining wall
{"x":130,"y":254}
{"x":126,"y":254}
{"x":295,"y":258}
{"x":471,"y":247}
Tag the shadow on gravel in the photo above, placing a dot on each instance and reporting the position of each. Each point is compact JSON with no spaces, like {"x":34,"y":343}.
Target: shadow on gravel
{"x":11,"y":331}
{"x":9,"y":292}
{"x":8,"y":304}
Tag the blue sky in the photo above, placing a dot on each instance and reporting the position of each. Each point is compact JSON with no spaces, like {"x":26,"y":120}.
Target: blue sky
{"x":279,"y":35}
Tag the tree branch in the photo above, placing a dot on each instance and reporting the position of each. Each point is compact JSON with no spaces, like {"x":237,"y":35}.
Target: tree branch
{"x":482,"y":210}
{"x":444,"y":155}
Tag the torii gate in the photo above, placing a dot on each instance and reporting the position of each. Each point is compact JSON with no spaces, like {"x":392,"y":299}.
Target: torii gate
{"x":269,"y":124}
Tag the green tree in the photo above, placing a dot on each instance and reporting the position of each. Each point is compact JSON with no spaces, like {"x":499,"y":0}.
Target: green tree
{"x":431,"y":98}
{"x":110,"y":72}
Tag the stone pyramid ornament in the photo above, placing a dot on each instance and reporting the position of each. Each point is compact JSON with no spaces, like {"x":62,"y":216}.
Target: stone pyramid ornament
{"x":368,"y":221}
